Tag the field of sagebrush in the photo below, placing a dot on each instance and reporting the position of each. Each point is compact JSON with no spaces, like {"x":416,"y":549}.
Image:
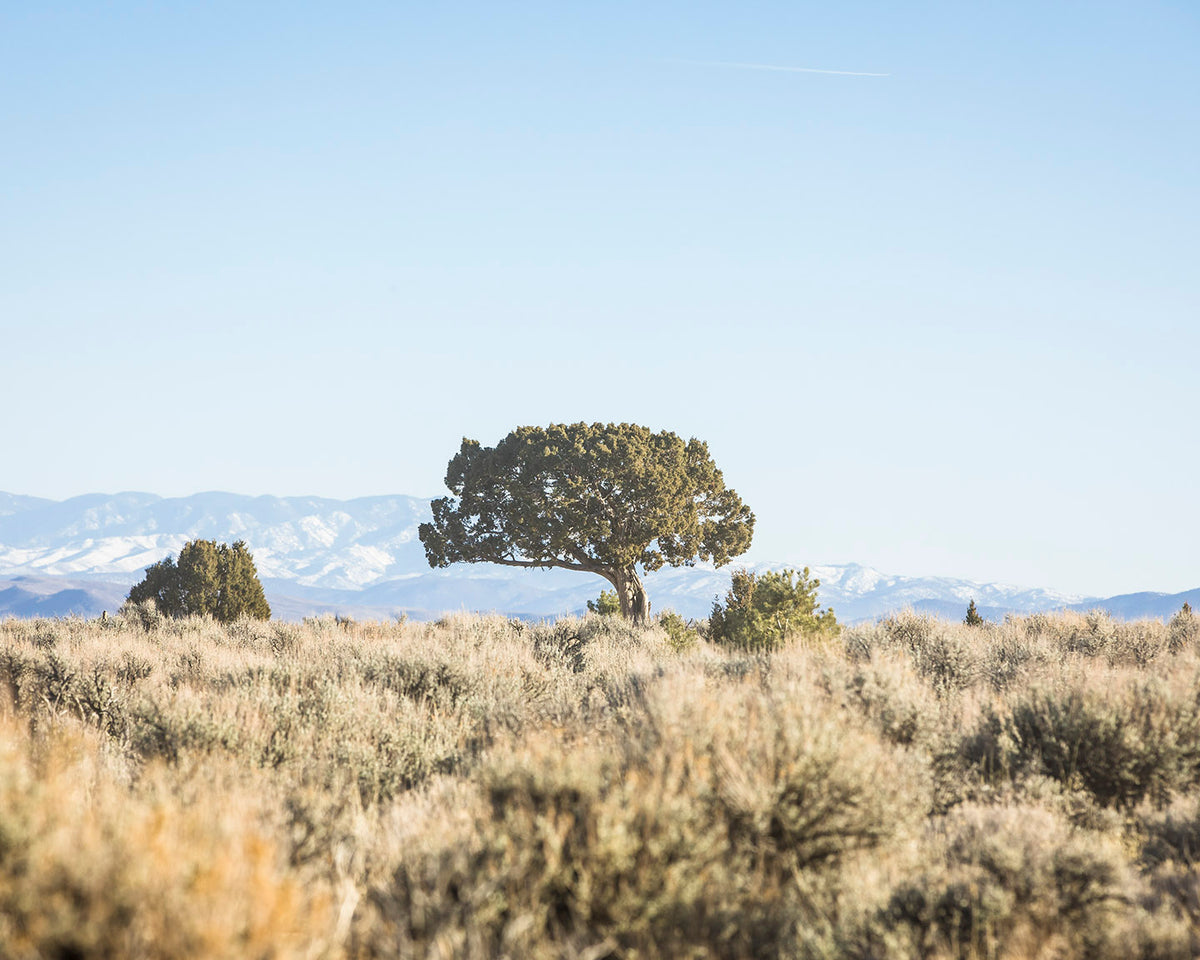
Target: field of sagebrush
{"x":479,"y":788}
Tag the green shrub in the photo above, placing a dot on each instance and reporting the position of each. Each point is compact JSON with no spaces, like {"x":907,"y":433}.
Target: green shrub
{"x":1139,"y":643}
{"x":1097,"y":631}
{"x":616,"y":631}
{"x":608,"y":604}
{"x":680,"y":634}
{"x":762,"y":611}
{"x":1184,"y":629}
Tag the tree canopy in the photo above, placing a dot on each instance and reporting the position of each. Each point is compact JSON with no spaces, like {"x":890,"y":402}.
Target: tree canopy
{"x":212,"y":579}
{"x":609,"y":499}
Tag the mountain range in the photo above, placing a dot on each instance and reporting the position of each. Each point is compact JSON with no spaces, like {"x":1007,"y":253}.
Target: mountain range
{"x":362,"y":558}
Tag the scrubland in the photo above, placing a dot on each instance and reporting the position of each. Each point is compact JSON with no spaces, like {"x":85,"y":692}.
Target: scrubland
{"x":479,"y":788}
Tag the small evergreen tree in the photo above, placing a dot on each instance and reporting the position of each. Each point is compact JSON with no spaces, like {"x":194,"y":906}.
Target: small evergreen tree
{"x":680,"y":633}
{"x":161,"y":584}
{"x":1183,"y":629}
{"x":217,"y":580}
{"x":608,"y":604}
{"x":972,"y":619}
{"x":241,"y":593}
{"x":760,"y":612}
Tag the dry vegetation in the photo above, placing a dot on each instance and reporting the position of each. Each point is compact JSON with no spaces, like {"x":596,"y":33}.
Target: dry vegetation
{"x":478,"y":788}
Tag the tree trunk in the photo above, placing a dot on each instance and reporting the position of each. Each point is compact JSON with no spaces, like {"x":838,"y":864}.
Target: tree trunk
{"x":635,"y":604}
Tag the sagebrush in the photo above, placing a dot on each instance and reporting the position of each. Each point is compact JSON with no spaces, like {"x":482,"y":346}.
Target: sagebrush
{"x":481,"y":787}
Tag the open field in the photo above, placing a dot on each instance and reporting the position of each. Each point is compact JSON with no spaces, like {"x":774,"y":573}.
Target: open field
{"x":481,"y":788}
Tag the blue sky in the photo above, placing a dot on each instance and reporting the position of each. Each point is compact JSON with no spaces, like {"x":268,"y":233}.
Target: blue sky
{"x":941,"y":321}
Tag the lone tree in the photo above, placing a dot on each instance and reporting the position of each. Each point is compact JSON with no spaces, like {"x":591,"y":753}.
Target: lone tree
{"x":972,"y":619}
{"x":598,"y":498}
{"x":210,"y":578}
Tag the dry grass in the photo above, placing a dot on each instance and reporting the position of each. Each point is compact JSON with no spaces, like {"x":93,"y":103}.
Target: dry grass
{"x":484,"y":788}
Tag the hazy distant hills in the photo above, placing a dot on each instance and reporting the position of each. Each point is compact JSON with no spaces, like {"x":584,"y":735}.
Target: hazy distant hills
{"x":363,"y":558}
{"x":58,"y":596}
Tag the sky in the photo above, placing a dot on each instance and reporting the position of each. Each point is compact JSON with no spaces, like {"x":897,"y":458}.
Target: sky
{"x":936,"y":310}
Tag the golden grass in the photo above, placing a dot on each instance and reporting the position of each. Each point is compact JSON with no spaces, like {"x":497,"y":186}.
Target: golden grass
{"x":484,"y":788}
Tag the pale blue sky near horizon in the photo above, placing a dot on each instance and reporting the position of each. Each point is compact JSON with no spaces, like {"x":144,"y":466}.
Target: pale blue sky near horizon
{"x":943,"y":321}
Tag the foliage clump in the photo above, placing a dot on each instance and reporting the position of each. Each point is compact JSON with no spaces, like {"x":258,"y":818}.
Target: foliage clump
{"x":681,"y":635}
{"x":614,"y":500}
{"x":605,"y":605}
{"x":1184,"y":629}
{"x":761,"y":611}
{"x":209,"y":579}
{"x":1121,"y":743}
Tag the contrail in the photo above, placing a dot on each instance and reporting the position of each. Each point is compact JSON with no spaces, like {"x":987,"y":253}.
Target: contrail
{"x":780,"y":69}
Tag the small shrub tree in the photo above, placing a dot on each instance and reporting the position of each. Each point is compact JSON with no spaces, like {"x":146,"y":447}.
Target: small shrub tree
{"x":217,"y":580}
{"x":1184,"y":629}
{"x":761,"y":611}
{"x":680,"y":634}
{"x":972,"y":619}
{"x":608,"y":604}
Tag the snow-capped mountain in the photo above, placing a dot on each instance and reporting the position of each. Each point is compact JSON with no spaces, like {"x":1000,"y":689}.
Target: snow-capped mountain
{"x":316,"y":543}
{"x":363,"y":557}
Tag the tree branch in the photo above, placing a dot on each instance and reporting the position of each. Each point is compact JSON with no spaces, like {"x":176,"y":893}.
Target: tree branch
{"x":540,"y":563}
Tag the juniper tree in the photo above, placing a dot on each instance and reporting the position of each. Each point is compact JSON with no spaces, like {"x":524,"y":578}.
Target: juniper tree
{"x":761,"y":611}
{"x":606,"y":605}
{"x":615,"y":500}
{"x":212,"y":579}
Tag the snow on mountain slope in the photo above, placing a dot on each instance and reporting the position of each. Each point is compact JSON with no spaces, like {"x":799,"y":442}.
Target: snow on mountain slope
{"x":858,"y":592}
{"x":316,"y":542}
